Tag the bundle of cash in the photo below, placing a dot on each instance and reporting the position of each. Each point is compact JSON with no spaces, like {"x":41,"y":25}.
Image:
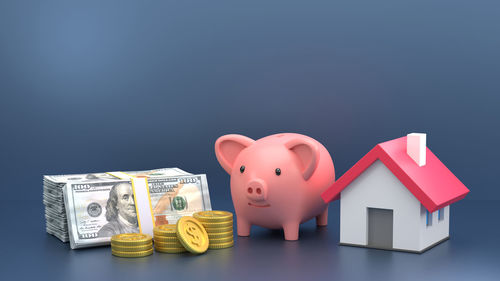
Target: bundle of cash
{"x":56,"y":221}
{"x":88,"y":209}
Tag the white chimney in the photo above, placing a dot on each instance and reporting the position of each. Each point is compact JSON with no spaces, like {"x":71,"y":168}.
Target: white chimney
{"x":416,"y":147}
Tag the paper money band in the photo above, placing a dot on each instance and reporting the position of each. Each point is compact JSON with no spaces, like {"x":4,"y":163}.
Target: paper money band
{"x":142,"y":200}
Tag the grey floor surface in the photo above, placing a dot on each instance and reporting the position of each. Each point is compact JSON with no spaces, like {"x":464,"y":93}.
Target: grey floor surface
{"x":472,"y":253}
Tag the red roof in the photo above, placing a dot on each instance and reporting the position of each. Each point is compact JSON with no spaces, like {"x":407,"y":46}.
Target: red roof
{"x":432,"y":184}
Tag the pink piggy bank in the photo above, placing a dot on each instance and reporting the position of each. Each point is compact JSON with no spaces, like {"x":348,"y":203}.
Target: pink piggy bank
{"x":276,"y":181}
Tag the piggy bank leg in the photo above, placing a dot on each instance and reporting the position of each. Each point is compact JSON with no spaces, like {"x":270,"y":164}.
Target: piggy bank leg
{"x":291,"y":231}
{"x":243,"y":227}
{"x":322,"y":219}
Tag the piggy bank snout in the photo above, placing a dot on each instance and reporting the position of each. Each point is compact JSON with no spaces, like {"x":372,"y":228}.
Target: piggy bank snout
{"x":256,"y":190}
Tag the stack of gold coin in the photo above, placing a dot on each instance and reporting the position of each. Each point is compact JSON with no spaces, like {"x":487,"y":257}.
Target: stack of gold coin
{"x":166,"y":241}
{"x":131,"y":245}
{"x":219,"y":226}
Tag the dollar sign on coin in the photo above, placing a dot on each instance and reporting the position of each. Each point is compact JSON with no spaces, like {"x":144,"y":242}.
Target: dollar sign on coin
{"x":195,"y":239}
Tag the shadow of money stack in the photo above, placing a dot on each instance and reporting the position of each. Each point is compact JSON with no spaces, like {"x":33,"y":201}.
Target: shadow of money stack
{"x":219,"y":226}
{"x":131,"y":245}
{"x":166,"y":241}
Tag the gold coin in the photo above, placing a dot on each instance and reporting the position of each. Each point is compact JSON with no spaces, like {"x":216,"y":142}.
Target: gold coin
{"x":175,"y":244}
{"x":170,"y":235}
{"x":131,"y":248}
{"x":219,"y":230}
{"x":213,"y":216}
{"x":132,"y":254}
{"x":161,"y":238}
{"x":221,"y":245}
{"x":220,"y":240}
{"x":131,"y":239}
{"x":219,"y":235}
{"x":165,"y":229}
{"x":217,"y":224}
{"x":170,"y":250}
{"x":165,"y":234}
{"x":192,"y":235}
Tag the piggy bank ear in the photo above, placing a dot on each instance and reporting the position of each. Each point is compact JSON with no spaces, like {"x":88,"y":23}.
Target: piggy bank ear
{"x":228,"y":147}
{"x":307,"y":153}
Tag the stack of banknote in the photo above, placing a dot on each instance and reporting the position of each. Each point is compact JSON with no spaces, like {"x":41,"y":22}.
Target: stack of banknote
{"x":88,"y":209}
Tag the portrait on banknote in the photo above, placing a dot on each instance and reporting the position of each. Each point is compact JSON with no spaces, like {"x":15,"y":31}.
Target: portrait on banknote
{"x":120,"y":211}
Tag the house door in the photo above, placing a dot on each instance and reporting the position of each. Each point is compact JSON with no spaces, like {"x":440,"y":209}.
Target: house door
{"x":380,"y":224}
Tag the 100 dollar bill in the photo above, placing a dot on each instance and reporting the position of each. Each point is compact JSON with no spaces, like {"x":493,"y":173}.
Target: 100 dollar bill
{"x":97,"y":210}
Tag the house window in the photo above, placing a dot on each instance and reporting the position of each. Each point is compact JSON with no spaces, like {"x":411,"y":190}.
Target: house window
{"x":428,"y":218}
{"x":441,"y":214}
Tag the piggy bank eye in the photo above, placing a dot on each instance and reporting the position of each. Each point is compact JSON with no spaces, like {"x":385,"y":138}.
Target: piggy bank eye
{"x":242,"y":169}
{"x":278,"y":171}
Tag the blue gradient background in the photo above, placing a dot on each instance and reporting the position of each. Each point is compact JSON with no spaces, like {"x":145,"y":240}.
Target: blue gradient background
{"x":123,"y":85}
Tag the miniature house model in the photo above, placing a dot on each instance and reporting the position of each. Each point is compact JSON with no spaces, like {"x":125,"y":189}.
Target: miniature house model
{"x":397,"y":197}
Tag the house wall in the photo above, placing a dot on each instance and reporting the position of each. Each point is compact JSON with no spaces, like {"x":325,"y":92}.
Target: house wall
{"x":437,"y":231}
{"x":377,"y":187}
